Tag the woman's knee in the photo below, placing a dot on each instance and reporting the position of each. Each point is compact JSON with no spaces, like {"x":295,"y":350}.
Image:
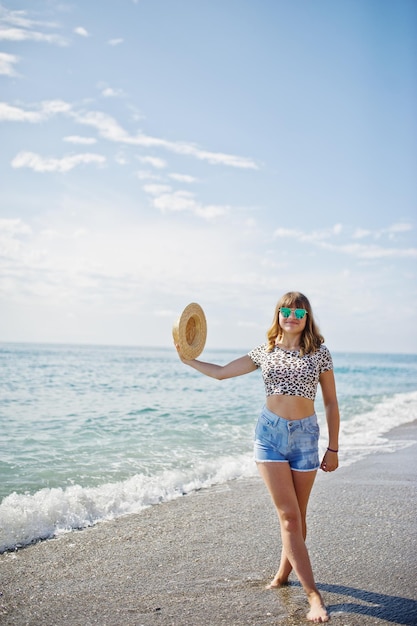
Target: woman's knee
{"x":291,"y":521}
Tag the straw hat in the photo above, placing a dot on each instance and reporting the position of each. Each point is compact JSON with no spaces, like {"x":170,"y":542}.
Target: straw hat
{"x":190,"y":331}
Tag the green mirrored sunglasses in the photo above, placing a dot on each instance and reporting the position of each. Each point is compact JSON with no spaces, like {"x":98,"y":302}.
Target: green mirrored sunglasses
{"x":299,"y":314}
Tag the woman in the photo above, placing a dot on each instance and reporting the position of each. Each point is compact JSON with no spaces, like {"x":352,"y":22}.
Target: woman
{"x":293,"y":362}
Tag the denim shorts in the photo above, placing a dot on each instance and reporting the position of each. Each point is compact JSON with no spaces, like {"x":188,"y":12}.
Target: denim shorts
{"x":293,"y":441}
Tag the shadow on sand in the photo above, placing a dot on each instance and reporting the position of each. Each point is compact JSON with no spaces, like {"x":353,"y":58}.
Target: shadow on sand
{"x":389,"y":608}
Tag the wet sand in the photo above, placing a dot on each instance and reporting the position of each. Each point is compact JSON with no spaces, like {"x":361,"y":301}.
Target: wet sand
{"x":204,"y":559}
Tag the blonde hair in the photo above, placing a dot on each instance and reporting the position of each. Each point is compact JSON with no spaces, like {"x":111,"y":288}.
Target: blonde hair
{"x":311,"y":338}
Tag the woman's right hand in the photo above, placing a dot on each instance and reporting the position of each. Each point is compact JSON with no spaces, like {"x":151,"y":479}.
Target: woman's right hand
{"x":186,"y":361}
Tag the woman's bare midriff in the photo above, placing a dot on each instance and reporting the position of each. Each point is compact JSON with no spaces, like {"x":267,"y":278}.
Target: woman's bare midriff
{"x":290,"y":407}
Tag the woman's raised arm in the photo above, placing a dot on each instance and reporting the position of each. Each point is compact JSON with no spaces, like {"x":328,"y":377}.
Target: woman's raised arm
{"x":238,"y":367}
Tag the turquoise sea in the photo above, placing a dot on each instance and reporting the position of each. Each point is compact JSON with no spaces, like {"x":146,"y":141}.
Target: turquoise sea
{"x":90,"y":433}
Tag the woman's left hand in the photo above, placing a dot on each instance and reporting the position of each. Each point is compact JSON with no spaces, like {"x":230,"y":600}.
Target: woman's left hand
{"x":330,"y":462}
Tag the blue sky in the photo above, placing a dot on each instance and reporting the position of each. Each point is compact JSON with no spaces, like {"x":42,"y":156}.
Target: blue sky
{"x":159,"y":152}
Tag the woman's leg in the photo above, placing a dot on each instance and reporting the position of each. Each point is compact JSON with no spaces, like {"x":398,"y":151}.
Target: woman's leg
{"x":303,"y":483}
{"x":285,"y":489}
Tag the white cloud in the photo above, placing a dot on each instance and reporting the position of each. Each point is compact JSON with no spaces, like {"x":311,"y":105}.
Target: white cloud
{"x":68,"y":266}
{"x":54,"y":107}
{"x":400,"y":227}
{"x":10,"y":113}
{"x":175,"y":201}
{"x":7,"y":63}
{"x":81,"y":31}
{"x":62,"y":267}
{"x":50,"y":164}
{"x":172,"y":200}
{"x":106,"y":125}
{"x":182,"y":178}
{"x":215,"y":158}
{"x":10,"y":231}
{"x":19,"y":34}
{"x":110,"y":129}
{"x":147,"y":175}
{"x":178,"y":201}
{"x":80,"y":140}
{"x":361,"y":233}
{"x":20,"y":18}
{"x":156,"y":190}
{"x":155,"y":162}
{"x":121,"y":158}
{"x":372,"y":251}
{"x":166,"y":200}
{"x":109,"y":92}
{"x":211,"y":211}
{"x":320,"y":239}
{"x":288,"y":233}
{"x":16,"y":18}
{"x":47,"y":109}
{"x":12,"y":227}
{"x":391,"y":231}
{"x":313,"y":236}
{"x":116,"y":41}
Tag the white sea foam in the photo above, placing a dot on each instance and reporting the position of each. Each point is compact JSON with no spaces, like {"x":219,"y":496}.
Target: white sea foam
{"x":49,"y":512}
{"x":365,"y":433}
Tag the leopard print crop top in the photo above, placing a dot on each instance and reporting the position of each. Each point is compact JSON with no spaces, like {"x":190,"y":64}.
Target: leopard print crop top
{"x":286,"y":372}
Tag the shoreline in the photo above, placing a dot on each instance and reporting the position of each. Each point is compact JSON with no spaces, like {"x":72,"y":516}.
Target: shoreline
{"x":205,"y":558}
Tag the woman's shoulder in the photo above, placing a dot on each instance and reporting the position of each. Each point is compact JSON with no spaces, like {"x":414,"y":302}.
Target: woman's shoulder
{"x":324,"y":349}
{"x":258,"y":352}
{"x":325,"y":357}
{"x":321,"y":352}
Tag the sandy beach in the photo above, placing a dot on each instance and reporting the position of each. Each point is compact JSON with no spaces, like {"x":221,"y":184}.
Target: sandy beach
{"x":205,"y":559}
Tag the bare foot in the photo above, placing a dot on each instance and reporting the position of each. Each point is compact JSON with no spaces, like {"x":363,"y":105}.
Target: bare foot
{"x":318,"y":612}
{"x":277,"y":582}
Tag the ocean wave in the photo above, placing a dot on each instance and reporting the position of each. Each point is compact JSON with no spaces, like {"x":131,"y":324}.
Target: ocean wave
{"x":366,"y":432}
{"x":26,"y":518}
